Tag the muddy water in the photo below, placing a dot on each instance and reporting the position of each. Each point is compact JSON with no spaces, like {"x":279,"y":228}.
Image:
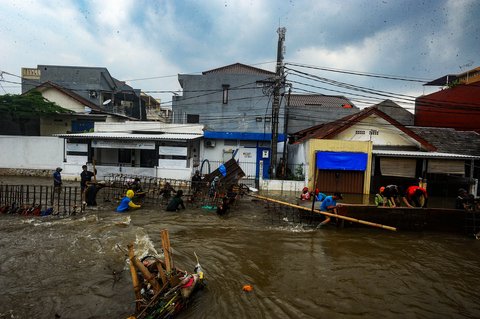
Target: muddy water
{"x":73,"y":267}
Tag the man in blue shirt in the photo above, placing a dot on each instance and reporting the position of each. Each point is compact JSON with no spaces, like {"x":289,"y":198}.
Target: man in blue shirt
{"x":329,"y":204}
{"x":127,"y":203}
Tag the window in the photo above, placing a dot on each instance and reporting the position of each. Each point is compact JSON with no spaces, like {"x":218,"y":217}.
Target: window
{"x":359,"y":132}
{"x":258,"y":119}
{"x":373,"y":132}
{"x":268,"y":119}
{"x":225,"y":93}
{"x":193,"y":118}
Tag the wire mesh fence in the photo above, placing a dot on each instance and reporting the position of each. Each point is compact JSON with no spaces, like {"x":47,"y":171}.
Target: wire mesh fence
{"x":39,"y":200}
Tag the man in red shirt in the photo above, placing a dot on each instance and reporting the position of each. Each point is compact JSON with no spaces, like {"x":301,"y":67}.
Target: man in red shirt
{"x":415,"y":196}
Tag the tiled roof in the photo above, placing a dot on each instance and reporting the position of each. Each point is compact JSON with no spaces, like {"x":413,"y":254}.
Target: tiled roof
{"x":319,"y":100}
{"x":239,"y":68}
{"x":395,"y":111}
{"x":329,"y":130}
{"x":449,"y":140}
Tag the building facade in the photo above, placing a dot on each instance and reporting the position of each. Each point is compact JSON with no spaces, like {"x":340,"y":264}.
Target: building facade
{"x":456,"y":105}
{"x":94,"y":84}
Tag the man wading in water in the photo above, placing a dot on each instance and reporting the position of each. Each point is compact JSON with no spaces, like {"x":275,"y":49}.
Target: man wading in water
{"x":329,"y":204}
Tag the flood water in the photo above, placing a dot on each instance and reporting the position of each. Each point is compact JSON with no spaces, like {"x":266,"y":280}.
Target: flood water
{"x":75,"y":267}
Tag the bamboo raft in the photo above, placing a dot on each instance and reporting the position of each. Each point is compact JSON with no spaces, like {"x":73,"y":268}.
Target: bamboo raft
{"x":161,"y":290}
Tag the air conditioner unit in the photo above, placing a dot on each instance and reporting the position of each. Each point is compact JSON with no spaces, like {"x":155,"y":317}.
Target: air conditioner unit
{"x":126,"y":103}
{"x":209,"y":143}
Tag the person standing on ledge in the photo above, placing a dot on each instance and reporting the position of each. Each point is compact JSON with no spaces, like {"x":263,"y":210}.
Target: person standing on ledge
{"x":85,"y":177}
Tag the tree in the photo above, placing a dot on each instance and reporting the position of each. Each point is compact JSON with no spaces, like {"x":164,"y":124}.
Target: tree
{"x":29,"y":105}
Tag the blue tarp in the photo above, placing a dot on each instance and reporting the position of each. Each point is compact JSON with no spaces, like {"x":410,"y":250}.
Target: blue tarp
{"x":346,"y":161}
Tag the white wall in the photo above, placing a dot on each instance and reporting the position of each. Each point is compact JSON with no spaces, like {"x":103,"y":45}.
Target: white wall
{"x":388,"y":135}
{"x":63,"y":100}
{"x":31,"y":152}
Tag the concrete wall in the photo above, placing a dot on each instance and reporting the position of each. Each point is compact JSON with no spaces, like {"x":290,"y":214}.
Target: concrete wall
{"x":31,"y":152}
{"x":202,"y":95}
{"x":388,"y":135}
{"x":63,"y":100}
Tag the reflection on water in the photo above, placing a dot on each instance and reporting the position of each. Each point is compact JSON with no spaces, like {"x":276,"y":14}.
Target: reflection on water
{"x":76,"y":267}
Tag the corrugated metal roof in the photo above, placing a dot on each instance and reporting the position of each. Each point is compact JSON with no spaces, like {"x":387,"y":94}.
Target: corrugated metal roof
{"x":423,"y":154}
{"x":128,"y":136}
{"x":319,"y":100}
{"x":239,"y":68}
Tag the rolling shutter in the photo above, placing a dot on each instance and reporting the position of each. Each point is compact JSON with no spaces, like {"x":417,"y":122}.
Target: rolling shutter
{"x":446,"y":166}
{"x":401,"y":167}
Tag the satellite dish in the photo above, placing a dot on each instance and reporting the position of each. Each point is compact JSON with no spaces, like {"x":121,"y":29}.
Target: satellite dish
{"x":107,"y":101}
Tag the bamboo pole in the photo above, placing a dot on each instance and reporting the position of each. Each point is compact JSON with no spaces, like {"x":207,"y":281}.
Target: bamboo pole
{"x":166,"y":250}
{"x":161,"y":272}
{"x":364,"y":222}
{"x":136,"y":284}
{"x":94,"y":173}
{"x":168,"y":258}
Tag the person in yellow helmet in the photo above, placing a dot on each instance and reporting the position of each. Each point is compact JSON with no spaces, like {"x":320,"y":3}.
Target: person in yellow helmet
{"x":127,"y":203}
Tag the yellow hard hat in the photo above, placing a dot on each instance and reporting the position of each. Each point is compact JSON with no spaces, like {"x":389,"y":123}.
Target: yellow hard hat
{"x":130,"y":193}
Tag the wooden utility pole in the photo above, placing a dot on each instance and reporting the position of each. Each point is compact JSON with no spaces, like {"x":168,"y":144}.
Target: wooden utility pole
{"x":279,"y":80}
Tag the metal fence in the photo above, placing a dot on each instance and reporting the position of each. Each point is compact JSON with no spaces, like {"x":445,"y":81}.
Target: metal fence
{"x":40,"y":200}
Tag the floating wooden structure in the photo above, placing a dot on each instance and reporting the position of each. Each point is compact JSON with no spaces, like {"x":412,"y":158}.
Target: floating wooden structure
{"x":161,"y":290}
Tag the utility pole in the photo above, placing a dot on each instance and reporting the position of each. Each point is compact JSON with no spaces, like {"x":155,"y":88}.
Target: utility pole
{"x":279,"y":80}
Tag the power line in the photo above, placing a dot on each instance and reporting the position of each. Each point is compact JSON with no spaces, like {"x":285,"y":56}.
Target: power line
{"x":374,"y":75}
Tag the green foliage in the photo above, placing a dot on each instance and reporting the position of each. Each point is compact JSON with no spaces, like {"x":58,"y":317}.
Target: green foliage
{"x":453,"y":84}
{"x":299,"y":173}
{"x":29,"y":105}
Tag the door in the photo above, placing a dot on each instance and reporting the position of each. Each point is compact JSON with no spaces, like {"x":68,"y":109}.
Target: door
{"x":263,"y":154}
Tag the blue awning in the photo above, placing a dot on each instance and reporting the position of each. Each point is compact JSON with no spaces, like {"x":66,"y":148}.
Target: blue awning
{"x":346,"y":161}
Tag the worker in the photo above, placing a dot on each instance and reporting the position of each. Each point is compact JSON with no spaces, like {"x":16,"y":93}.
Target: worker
{"x":176,"y":202}
{"x":305,"y":195}
{"x":329,"y":204}
{"x":415,"y":196}
{"x":127,"y":202}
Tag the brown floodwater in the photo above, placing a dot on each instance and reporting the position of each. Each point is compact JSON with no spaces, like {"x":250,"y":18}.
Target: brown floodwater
{"x":73,"y":267}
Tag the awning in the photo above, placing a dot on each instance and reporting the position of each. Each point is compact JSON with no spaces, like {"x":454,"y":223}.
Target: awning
{"x":347,"y":161}
{"x":128,"y":136}
{"x":417,"y":154}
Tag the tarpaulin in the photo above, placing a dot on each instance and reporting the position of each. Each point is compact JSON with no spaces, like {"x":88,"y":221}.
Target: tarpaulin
{"x":347,"y":161}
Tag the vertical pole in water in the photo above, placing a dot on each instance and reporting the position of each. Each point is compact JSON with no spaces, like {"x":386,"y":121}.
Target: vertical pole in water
{"x":314,"y":187}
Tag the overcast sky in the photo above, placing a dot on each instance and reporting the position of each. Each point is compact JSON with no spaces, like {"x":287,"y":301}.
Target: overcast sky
{"x":156,"y":40}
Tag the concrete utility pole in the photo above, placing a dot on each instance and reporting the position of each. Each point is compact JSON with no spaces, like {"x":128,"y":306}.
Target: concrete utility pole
{"x":279,"y":80}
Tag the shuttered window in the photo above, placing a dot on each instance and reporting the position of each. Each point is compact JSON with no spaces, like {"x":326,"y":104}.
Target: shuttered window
{"x":446,"y":166}
{"x":401,"y":167}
